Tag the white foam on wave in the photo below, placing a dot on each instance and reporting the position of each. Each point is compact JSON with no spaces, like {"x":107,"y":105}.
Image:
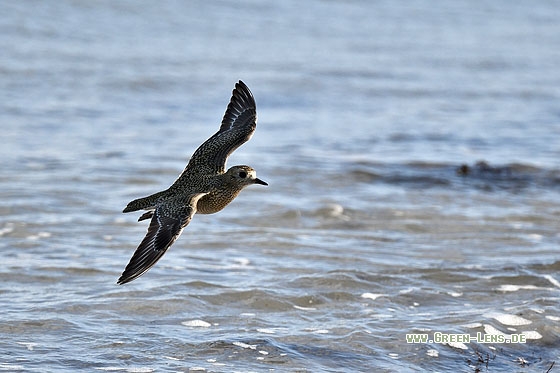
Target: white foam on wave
{"x":373,"y":296}
{"x":244,"y":345}
{"x":459,"y":345}
{"x":335,"y":210}
{"x":266,"y":331}
{"x":534,"y":237}
{"x":432,"y":353}
{"x":242,"y":262}
{"x":11,"y":367}
{"x":508,"y":288}
{"x":8,"y":228}
{"x":29,"y":345}
{"x":39,"y":235}
{"x":196,"y":323}
{"x":305,"y":308}
{"x":507,"y":319}
{"x":489,"y":329}
{"x":408,"y":290}
{"x":318,"y":331}
{"x":530,"y":334}
{"x":552,"y":280}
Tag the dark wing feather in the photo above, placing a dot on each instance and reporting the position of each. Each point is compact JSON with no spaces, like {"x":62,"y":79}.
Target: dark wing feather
{"x":241,"y":109}
{"x":238,"y":125}
{"x":165,"y":227}
{"x":146,"y":215}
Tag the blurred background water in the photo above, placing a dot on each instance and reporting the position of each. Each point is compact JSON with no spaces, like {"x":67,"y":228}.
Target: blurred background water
{"x":412,"y":154}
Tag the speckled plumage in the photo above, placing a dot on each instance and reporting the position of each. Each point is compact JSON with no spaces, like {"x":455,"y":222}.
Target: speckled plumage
{"x":204,"y":186}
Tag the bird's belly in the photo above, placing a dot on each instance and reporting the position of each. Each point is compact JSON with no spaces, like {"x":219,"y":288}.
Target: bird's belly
{"x":214,"y":202}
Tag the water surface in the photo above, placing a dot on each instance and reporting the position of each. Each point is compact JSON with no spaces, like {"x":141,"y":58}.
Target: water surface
{"x":412,"y":155}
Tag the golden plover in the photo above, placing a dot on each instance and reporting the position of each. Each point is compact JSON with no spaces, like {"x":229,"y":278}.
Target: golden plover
{"x":204,"y":187}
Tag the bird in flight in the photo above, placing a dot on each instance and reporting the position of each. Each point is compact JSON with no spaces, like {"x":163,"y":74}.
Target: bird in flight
{"x":204,"y":187}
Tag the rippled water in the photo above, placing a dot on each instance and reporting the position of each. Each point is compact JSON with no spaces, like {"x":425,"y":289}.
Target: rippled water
{"x":412,"y":155}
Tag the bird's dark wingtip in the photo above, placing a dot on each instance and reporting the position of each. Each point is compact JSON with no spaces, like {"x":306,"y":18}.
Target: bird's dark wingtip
{"x":242,"y":88}
{"x":129,"y":276}
{"x":122,"y":281}
{"x":125,"y":278}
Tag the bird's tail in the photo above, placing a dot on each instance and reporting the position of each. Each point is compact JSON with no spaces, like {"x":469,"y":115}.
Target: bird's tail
{"x":145,"y":203}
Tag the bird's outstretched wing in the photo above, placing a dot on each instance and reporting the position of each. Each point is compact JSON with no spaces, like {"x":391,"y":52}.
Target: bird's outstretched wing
{"x":165,"y":227}
{"x":238,"y":125}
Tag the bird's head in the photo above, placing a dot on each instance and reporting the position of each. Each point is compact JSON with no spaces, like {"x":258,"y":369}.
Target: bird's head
{"x":244,"y":175}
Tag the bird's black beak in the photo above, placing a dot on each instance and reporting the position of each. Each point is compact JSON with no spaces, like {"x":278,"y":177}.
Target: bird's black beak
{"x":259,"y":181}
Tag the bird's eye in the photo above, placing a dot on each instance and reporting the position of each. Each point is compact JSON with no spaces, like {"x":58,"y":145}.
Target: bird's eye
{"x":243,"y":174}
